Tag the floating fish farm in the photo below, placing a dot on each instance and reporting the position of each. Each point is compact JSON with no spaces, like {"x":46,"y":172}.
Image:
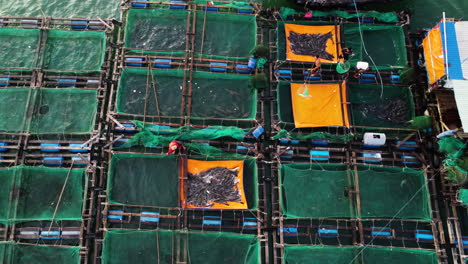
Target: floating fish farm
{"x":233,"y":132}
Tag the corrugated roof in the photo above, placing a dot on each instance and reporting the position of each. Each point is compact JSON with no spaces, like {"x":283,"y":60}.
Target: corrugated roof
{"x":454,"y":69}
{"x":460,"y":88}
{"x":461,"y":29}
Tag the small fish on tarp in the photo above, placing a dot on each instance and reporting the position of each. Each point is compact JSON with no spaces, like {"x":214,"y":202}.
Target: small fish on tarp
{"x":216,"y":185}
{"x":310,"y":44}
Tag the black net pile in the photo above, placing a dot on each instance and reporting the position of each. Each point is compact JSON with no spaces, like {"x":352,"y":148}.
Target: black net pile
{"x":310,"y":44}
{"x":214,"y":185}
{"x":393,"y":111}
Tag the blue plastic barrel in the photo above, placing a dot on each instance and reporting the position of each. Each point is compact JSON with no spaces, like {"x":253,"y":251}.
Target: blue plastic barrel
{"x":50,"y":147}
{"x":113,"y":216}
{"x":134,"y":62}
{"x":79,"y":24}
{"x":243,"y":68}
{"x":323,"y":155}
{"x":288,"y":154}
{"x":285,"y":74}
{"x":50,"y":235}
{"x":162,"y":63}
{"x":394,"y":78}
{"x":211,"y":220}
{"x":160,"y":130}
{"x":213,"y":67}
{"x":149,"y":219}
{"x":381,"y":231}
{"x":258,"y":132}
{"x":210,"y":9}
{"x":252,"y":63}
{"x":140,"y":5}
{"x":410,"y":159}
{"x":319,"y":142}
{"x":4,"y":81}
{"x":177,"y":6}
{"x":78,"y":161}
{"x":328,"y":231}
{"x":3,"y":144}
{"x":249,"y":223}
{"x":77,"y":148}
{"x":129,"y":128}
{"x":408,"y":145}
{"x":247,"y":9}
{"x":53,"y":160}
{"x":289,"y":231}
{"x":377,"y":156}
{"x":66,"y":82}
{"x":424,"y":235}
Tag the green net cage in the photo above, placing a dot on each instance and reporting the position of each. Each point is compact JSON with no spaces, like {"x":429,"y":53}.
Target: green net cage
{"x":361,"y":255}
{"x":34,"y":193}
{"x":231,"y":35}
{"x":43,"y":111}
{"x":40,"y":254}
{"x":18,"y":47}
{"x":164,"y":246}
{"x":321,"y":191}
{"x":326,"y":187}
{"x":161,"y":189}
{"x":64,"y":51}
{"x":156,"y":30}
{"x":385,"y":45}
{"x":214,"y":95}
{"x":393,"y":193}
{"x":150,"y":180}
{"x":74,"y":51}
{"x":373,"y":105}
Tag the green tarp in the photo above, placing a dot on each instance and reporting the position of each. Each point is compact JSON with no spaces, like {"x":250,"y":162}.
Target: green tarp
{"x":36,"y":192}
{"x":162,"y":246}
{"x":47,"y":110}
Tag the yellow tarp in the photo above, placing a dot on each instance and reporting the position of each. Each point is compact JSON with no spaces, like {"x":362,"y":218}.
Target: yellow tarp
{"x":319,"y":105}
{"x":333,"y":44}
{"x":433,"y":55}
{"x":197,"y":166}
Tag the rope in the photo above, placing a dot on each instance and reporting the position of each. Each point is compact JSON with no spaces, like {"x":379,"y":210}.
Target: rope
{"x":60,"y":196}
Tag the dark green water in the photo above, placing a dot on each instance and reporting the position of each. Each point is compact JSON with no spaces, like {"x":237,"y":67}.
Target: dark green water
{"x":425,"y":12}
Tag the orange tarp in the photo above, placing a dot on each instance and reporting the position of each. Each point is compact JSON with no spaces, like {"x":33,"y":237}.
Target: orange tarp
{"x":333,"y":44}
{"x":319,"y":105}
{"x":197,"y":166}
{"x":433,"y":55}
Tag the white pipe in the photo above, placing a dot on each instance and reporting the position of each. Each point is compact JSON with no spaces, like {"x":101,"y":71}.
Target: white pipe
{"x":446,"y":48}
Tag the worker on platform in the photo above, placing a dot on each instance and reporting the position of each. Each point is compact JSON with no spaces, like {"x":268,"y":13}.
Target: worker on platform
{"x":317,"y":64}
{"x":174,"y":146}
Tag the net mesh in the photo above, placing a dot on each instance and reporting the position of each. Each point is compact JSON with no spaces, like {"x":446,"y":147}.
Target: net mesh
{"x":329,"y":254}
{"x":326,"y":195}
{"x":64,"y":51}
{"x":377,"y":106}
{"x":19,"y":46}
{"x":35,"y":193}
{"x":385,"y":44}
{"x":388,"y":17}
{"x":384,"y":192}
{"x":74,"y":51}
{"x":147,"y":187}
{"x":23,"y":254}
{"x":48,"y":110}
{"x":162,"y":246}
{"x":214,"y":95}
{"x":230,"y":35}
{"x":156,"y":29}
